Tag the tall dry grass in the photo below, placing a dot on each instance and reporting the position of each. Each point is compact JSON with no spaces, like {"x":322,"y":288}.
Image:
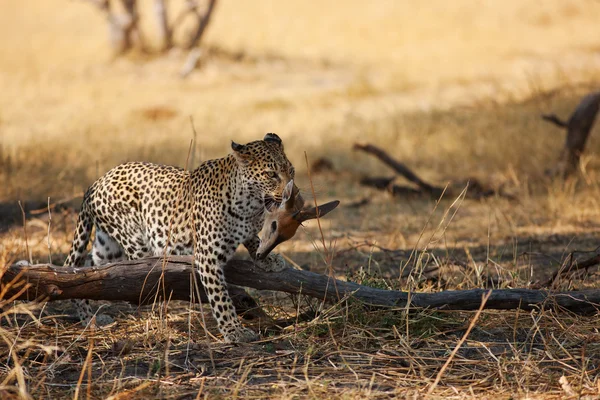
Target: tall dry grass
{"x":454,"y":89}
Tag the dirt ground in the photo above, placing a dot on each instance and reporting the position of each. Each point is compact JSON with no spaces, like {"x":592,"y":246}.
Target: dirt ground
{"x":453,"y":89}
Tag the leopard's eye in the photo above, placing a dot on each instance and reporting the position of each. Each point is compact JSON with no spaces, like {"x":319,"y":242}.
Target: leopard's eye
{"x":272,"y":174}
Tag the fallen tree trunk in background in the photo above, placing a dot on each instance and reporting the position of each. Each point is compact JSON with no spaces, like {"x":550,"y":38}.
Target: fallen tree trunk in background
{"x":476,"y":189}
{"x":144,"y":280}
{"x":399,"y":168}
{"x":578,"y":129}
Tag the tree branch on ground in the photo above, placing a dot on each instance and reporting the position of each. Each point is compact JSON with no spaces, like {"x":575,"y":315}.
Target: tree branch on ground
{"x":399,"y":167}
{"x":146,"y":280}
{"x":476,"y":189}
{"x":571,"y":265}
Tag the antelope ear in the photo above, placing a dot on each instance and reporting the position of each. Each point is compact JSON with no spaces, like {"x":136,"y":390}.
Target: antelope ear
{"x":287,"y":197}
{"x":320,"y":211}
{"x":240,"y":154}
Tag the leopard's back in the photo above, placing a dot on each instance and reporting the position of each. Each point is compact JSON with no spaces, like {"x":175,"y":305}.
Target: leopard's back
{"x":144,"y":207}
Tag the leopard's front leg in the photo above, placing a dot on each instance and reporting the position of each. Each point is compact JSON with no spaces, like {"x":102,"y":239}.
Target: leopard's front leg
{"x":272,"y":263}
{"x":210,"y":260}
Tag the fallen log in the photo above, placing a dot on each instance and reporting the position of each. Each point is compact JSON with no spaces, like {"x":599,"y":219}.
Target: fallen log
{"x":145,"y":280}
{"x":476,"y":189}
{"x":400,"y":168}
{"x":137,"y":282}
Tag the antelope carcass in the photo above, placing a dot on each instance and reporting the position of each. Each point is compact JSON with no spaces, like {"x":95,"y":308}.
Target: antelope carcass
{"x":282,"y":223}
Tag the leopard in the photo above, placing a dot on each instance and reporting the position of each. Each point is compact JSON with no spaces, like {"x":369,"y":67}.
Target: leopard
{"x":141,"y":209}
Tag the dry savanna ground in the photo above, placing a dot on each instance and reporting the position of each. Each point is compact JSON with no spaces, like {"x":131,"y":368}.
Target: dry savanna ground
{"x":453,"y":89}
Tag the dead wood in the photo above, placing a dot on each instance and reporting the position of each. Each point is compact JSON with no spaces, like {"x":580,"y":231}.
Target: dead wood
{"x":399,"y":168}
{"x":144,"y":280}
{"x":165,"y":33}
{"x":124,"y":26}
{"x":358,"y":203}
{"x":321,"y":165}
{"x":191,"y":62}
{"x":476,"y":190}
{"x":571,"y":265}
{"x":137,"y":282}
{"x":203,"y":21}
{"x":378,"y":182}
{"x":385,"y":183}
{"x":554,"y":119}
{"x":578,"y":128}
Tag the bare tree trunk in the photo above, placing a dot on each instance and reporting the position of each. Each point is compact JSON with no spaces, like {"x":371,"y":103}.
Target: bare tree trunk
{"x":144,"y":280}
{"x":162,"y":18}
{"x":194,"y":56}
{"x":123,"y":27}
{"x":132,"y":30}
{"x":118,"y":30}
{"x":203,"y":22}
{"x":578,"y":128}
{"x":191,"y":62}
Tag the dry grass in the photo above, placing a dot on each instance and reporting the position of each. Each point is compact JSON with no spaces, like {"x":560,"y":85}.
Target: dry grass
{"x":454,"y":89}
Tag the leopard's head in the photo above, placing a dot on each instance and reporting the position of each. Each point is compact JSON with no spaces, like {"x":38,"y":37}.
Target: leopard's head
{"x":264,"y":166}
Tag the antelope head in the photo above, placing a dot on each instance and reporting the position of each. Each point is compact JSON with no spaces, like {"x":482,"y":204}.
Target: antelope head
{"x":282,"y":223}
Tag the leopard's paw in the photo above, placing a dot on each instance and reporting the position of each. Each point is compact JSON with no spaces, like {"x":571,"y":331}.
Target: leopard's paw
{"x":240,"y":334}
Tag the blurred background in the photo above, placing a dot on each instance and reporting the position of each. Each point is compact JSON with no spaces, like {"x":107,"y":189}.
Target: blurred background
{"x":321,"y":74}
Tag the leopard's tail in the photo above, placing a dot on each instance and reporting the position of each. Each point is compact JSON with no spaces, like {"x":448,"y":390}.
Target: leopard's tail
{"x":81,"y":238}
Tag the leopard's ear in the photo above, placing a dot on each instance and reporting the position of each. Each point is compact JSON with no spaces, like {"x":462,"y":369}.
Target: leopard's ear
{"x":273,"y":138}
{"x":240,"y":153}
{"x":236,"y":146}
